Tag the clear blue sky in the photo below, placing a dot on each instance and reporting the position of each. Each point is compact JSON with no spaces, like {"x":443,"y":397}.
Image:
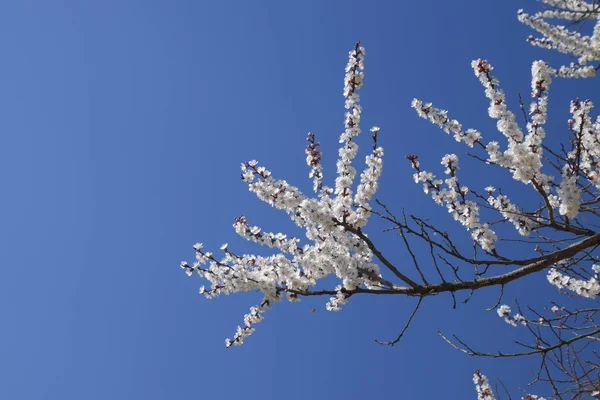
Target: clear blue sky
{"x":123,"y":124}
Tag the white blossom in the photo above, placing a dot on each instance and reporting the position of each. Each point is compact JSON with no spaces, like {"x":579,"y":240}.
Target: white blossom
{"x":482,"y":385}
{"x":330,"y":249}
{"x":589,"y":288}
{"x":454,"y":197}
{"x":558,"y":37}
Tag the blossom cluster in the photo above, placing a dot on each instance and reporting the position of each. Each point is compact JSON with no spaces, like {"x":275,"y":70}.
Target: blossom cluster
{"x":523,"y":156}
{"x":532,"y":397}
{"x":482,"y":385}
{"x":484,"y":389}
{"x":313,"y":159}
{"x":589,"y":288}
{"x":509,"y":211}
{"x":504,"y":311}
{"x":454,"y":197}
{"x":582,"y":159}
{"x":524,"y":153}
{"x":330,"y":221}
{"x":585,"y":48}
{"x":440,"y":118}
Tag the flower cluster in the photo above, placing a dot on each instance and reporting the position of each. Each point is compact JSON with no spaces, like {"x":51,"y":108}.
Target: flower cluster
{"x":504,"y":311}
{"x":369,"y":179}
{"x":484,"y":390}
{"x":583,"y":158}
{"x":523,"y":156}
{"x":524,"y":153}
{"x":353,"y":81}
{"x":330,"y":221}
{"x":510,"y":211}
{"x":482,"y":385}
{"x":313,"y":160}
{"x":585,"y":48}
{"x":440,"y":118}
{"x":454,"y":197}
{"x":254,"y":316}
{"x":589,"y":288}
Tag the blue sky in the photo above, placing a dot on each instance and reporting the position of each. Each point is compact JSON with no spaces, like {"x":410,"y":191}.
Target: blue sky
{"x":123,"y":126}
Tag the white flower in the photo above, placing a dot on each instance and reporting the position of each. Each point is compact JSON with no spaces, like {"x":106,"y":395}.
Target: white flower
{"x":482,"y":385}
{"x":503,"y":310}
{"x":586,"y":288}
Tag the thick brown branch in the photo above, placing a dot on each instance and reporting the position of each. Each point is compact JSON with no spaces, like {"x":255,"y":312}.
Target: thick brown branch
{"x":502,"y":279}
